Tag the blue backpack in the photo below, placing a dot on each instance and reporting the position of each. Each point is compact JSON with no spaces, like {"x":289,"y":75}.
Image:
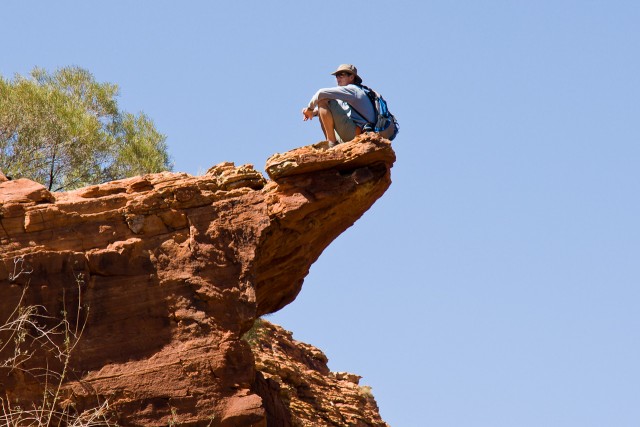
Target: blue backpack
{"x":386,"y":124}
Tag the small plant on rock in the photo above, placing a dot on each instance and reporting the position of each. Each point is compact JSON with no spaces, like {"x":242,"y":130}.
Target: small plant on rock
{"x":30,"y":332}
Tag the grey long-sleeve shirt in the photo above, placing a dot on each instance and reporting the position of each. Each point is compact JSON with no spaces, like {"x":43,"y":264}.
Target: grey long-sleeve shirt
{"x":352,"y":99}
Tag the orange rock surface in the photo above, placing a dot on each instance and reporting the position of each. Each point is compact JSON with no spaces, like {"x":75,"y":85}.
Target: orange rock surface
{"x":310,"y":395}
{"x":163,"y":274}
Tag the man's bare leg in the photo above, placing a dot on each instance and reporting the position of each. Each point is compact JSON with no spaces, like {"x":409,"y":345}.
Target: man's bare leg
{"x":326,"y":120}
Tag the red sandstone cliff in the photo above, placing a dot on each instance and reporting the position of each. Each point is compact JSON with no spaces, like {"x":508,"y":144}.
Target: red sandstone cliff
{"x":310,"y":395}
{"x":156,"y":279}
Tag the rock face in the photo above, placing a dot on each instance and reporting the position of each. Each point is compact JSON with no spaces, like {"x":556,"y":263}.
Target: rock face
{"x":143,"y":287}
{"x":310,"y":394}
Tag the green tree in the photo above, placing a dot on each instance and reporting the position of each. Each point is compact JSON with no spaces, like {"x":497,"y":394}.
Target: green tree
{"x":65,"y":131}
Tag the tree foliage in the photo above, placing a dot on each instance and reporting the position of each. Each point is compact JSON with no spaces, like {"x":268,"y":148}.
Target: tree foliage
{"x":65,"y":131}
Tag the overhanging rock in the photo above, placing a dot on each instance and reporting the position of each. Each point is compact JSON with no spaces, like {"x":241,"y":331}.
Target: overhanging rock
{"x":165,"y":272}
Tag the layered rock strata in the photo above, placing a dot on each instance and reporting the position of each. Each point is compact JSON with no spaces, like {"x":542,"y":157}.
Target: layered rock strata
{"x":310,"y":394}
{"x":156,"y":278}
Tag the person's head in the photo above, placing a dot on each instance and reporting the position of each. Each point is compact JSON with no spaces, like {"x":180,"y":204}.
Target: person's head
{"x":347,"y":74}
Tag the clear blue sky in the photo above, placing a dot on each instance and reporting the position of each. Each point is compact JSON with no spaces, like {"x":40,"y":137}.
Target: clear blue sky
{"x":497,"y":282}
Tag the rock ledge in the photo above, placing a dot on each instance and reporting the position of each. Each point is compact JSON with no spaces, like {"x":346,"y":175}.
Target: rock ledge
{"x":164,"y":273}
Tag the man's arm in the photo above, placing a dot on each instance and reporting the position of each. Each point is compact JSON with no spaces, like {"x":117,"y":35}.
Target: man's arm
{"x":344,"y":93}
{"x":308,"y":113}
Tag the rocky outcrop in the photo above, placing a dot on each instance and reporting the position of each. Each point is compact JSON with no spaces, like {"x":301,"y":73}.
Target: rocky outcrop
{"x":310,"y":395}
{"x":144,"y":286}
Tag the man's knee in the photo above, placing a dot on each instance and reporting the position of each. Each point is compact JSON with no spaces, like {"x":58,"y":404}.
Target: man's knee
{"x":323,"y":103}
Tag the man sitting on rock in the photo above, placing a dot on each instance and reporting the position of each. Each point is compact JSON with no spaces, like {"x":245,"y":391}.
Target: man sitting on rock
{"x":343,"y":110}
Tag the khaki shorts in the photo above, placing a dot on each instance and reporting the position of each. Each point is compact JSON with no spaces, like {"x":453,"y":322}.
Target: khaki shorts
{"x":345,"y":128}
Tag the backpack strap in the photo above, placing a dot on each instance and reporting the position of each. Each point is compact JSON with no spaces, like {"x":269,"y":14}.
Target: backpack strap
{"x":369,"y":94}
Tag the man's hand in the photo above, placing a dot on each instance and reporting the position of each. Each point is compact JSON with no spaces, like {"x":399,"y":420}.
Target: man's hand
{"x":307,"y":113}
